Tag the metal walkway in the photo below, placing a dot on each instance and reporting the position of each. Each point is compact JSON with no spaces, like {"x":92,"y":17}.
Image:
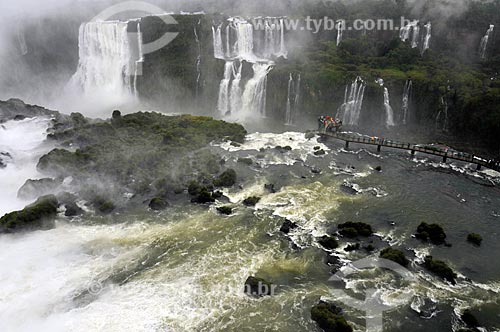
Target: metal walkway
{"x":436,"y":151}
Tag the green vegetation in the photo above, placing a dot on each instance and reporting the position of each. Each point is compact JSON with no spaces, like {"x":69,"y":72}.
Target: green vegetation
{"x":432,"y":232}
{"x":226,"y":179}
{"x":475,"y":239}
{"x":440,"y":268}
{"x":353,"y":229}
{"x":158,"y":204}
{"x":394,"y":255}
{"x":39,"y":215}
{"x":329,"y":318}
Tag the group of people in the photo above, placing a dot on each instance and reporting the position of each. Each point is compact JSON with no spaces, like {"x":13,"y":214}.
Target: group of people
{"x":329,"y":124}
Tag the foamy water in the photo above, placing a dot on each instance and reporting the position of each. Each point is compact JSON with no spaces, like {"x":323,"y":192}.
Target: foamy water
{"x":22,"y":140}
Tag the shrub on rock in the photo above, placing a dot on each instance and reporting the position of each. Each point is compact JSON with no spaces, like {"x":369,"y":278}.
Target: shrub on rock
{"x":475,"y":239}
{"x":440,"y":268}
{"x":158,"y":204}
{"x":394,"y":255}
{"x":330,"y":318}
{"x":39,"y":215}
{"x":227,"y":210}
{"x":328,"y":242}
{"x":226,"y":179}
{"x":352,"y":229}
{"x":251,"y":201}
{"x":433,"y":232}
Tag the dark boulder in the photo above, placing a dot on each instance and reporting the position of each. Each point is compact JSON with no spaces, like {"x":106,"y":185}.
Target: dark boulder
{"x":328,"y":242}
{"x":226,"y":179}
{"x":352,"y":247}
{"x":288,"y":226}
{"x":226,"y":210}
{"x":270,"y":188}
{"x":39,"y":215}
{"x":259,"y":287}
{"x":73,"y":210}
{"x":475,"y":239}
{"x":330,"y":318}
{"x":353,"y":229}
{"x":469,"y":319}
{"x":251,"y":201}
{"x":158,"y":204}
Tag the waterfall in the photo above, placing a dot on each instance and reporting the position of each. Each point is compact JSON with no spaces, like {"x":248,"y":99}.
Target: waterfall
{"x":288,"y":114}
{"x":283,"y":50}
{"x":404,"y":32}
{"x":442,"y":116}
{"x":406,"y":101}
{"x":244,"y":32}
{"x":140,"y":61}
{"x":254,"y":96}
{"x":389,"y":122}
{"x":293,"y":99}
{"x":217,"y":35}
{"x":235,"y":102}
{"x":23,"y":48}
{"x":105,"y":59}
{"x":416,"y":34}
{"x":350,"y":110}
{"x":198,"y":61}
{"x":427,"y":37}
{"x":340,"y":31}
{"x":484,"y":42}
{"x":223,"y":102}
{"x":229,"y":51}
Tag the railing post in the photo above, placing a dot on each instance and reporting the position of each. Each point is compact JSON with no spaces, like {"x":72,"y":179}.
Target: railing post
{"x":445,"y":157}
{"x":478,"y":167}
{"x":379,"y":147}
{"x":346,"y":145}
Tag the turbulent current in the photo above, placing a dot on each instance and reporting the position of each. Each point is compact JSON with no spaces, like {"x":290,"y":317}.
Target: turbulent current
{"x":184,"y":269}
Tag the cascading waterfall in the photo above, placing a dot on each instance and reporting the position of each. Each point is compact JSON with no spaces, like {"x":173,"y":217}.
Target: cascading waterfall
{"x":293,"y":99}
{"x":254,"y":96}
{"x":350,"y":110}
{"x":235,"y":93}
{"x":217,"y":35}
{"x":415,"y":36}
{"x":406,"y":101}
{"x":412,"y":30}
{"x":244,"y":32}
{"x":427,"y":37}
{"x":140,"y":61}
{"x":198,"y":61}
{"x":106,"y":61}
{"x":223,"y":101}
{"x":340,"y":31}
{"x":389,"y":122}
{"x":442,"y":116}
{"x":484,"y":42}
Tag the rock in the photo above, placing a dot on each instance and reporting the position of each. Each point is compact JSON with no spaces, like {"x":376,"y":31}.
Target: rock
{"x":270,"y":188}
{"x":259,"y":287}
{"x":475,"y":239}
{"x":203,"y":197}
{"x":352,"y":247}
{"x":394,"y":255}
{"x":369,"y":248}
{"x":72,"y":210}
{"x":103,"y":205}
{"x":328,"y":242}
{"x":378,"y":168}
{"x":432,"y":232}
{"x":246,"y":161}
{"x":288,"y":226}
{"x":315,"y":170}
{"x":320,"y":152}
{"x":19,"y":117}
{"x":310,"y":135}
{"x":158,"y":204}
{"x":469,"y":319}
{"x":39,"y":215}
{"x":353,"y":229}
{"x":36,"y":188}
{"x":226,"y":179}
{"x":440,"y":268}
{"x":251,"y":201}
{"x":330,"y":318}
{"x":227,"y":210}
{"x":334,"y":262}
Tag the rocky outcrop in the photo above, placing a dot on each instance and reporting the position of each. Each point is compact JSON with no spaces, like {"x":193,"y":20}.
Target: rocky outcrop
{"x":330,"y":318}
{"x":36,"y":188}
{"x":16,"y":109}
{"x":39,"y":215}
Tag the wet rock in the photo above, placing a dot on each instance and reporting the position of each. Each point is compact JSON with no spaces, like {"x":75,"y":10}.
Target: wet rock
{"x":259,"y":287}
{"x":378,"y":168}
{"x":251,"y":201}
{"x":288,"y":226}
{"x":226,"y":210}
{"x":19,"y":117}
{"x":246,"y":161}
{"x":320,"y":152}
{"x":226,"y":179}
{"x":334,"y":262}
{"x":36,"y":188}
{"x":73,"y":210}
{"x":469,"y":319}
{"x":39,"y":215}
{"x":158,"y":204}
{"x":328,"y":242}
{"x":270,"y":188}
{"x":330,"y":318}
{"x":103,"y":205}
{"x":315,"y":170}
{"x":352,"y":247}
